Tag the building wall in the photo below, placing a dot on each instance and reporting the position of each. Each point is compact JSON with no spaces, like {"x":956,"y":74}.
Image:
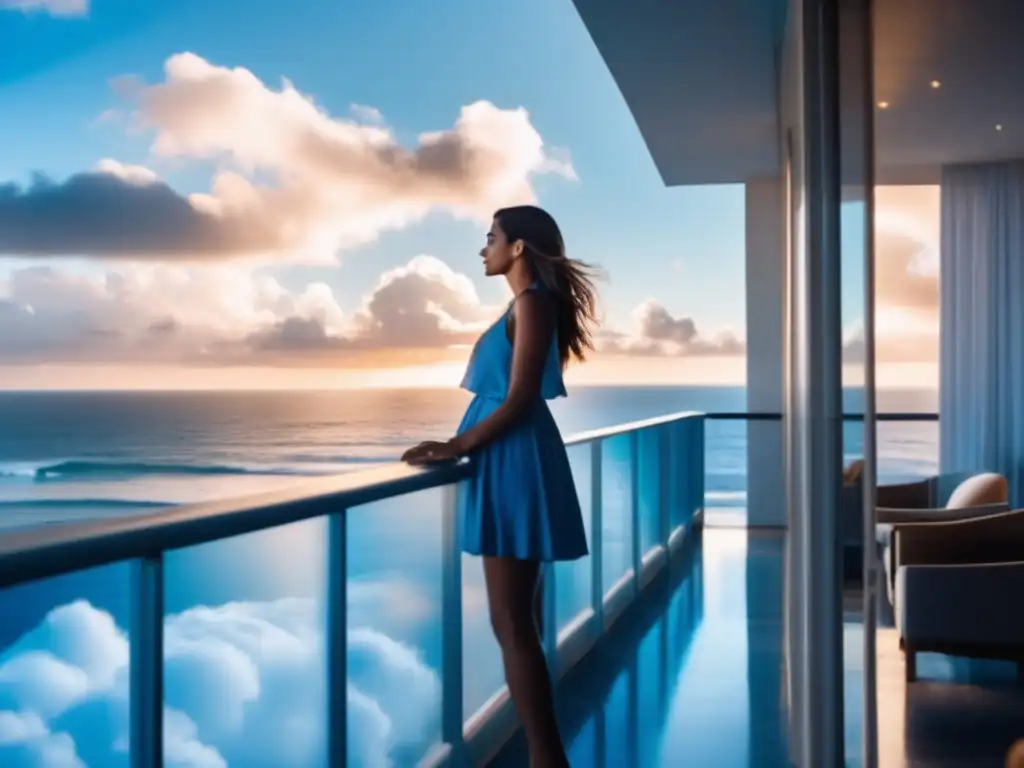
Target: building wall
{"x":766,"y":262}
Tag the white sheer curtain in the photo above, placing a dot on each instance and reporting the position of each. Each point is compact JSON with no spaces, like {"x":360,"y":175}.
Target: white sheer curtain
{"x":981,"y":396}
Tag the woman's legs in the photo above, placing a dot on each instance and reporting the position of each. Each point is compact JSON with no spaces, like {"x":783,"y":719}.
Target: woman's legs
{"x":512,"y":591}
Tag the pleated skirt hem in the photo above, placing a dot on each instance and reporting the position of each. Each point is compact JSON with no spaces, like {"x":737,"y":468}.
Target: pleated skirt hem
{"x":521,"y":502}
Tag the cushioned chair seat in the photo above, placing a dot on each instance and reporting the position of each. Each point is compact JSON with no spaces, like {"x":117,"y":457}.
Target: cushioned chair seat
{"x":960,"y":605}
{"x":961,"y":610}
{"x":978,"y":495}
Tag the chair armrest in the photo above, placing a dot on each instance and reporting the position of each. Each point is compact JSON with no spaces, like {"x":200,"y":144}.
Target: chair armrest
{"x":961,"y":604}
{"x":916,"y":495}
{"x":900,"y":517}
{"x":990,"y":538}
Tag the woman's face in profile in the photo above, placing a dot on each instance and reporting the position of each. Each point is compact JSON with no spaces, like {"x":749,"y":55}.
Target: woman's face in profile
{"x":498,"y":254}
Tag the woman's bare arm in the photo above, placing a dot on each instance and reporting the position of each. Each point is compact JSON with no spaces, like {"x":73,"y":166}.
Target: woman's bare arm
{"x":533,"y":332}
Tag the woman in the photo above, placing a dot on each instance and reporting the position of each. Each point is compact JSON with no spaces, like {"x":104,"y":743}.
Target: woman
{"x":521,"y":509}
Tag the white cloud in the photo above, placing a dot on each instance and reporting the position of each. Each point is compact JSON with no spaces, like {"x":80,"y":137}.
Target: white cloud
{"x":906,"y":301}
{"x":226,"y":314}
{"x":60,"y":8}
{"x":48,"y":750}
{"x":244,"y":686}
{"x":423,"y":304}
{"x":900,"y":336}
{"x":43,"y":683}
{"x":907,"y":273}
{"x":395,"y":604}
{"x":149,"y":312}
{"x":658,"y":333}
{"x":75,"y":652}
{"x":293,"y":182}
{"x":183,"y":748}
{"x":907,"y":326}
{"x":136,"y":175}
{"x":229,"y":314}
{"x":365,"y":114}
{"x":17,"y":727}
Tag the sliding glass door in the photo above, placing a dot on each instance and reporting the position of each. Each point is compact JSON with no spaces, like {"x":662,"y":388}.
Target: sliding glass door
{"x":857,"y":503}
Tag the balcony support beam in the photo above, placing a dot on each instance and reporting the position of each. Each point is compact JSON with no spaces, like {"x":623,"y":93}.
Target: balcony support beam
{"x":336,"y":644}
{"x":146,"y":670}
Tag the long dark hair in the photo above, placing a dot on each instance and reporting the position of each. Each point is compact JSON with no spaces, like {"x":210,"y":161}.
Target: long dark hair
{"x":570,"y":282}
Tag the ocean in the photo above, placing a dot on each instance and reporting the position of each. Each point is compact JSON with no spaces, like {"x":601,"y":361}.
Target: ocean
{"x":66,"y":456}
{"x":244,"y":666}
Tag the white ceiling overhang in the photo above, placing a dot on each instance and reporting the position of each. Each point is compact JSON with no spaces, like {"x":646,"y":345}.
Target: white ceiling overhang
{"x":700,"y":78}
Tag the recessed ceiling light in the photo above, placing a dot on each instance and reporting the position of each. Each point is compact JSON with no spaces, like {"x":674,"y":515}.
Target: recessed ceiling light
{"x":883,"y":105}
{"x":936,"y":84}
{"x":999,"y":127}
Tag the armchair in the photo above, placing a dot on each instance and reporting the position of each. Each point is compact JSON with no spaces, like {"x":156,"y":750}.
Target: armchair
{"x":944,"y":497}
{"x":949,"y":497}
{"x":957,"y":588}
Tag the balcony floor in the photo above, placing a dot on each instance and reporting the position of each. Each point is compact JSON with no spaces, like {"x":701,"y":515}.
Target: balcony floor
{"x":693,"y":676}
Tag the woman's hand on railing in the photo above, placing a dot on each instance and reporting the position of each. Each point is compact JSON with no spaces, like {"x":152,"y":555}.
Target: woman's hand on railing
{"x":431,"y":452}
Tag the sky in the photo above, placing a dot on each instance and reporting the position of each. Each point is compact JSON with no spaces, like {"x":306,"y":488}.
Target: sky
{"x":203,"y":195}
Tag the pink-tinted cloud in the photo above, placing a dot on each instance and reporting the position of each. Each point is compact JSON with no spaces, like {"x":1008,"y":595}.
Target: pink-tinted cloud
{"x":423,"y":305}
{"x":294,"y":182}
{"x":658,"y":333}
{"x":906,"y":272}
{"x":228,"y":314}
{"x":906,"y":302}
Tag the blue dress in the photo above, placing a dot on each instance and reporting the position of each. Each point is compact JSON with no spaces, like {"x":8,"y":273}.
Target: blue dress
{"x":521,"y":501}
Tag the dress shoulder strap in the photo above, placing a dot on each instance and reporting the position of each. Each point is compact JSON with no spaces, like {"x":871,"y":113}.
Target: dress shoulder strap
{"x":534,"y":287}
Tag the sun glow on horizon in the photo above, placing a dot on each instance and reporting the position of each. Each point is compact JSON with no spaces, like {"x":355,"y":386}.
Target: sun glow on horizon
{"x":605,"y":370}
{"x":608,"y":371}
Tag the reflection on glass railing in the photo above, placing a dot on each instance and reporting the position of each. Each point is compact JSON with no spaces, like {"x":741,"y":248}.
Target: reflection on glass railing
{"x":725,"y":456}
{"x":243,"y":648}
{"x":616,"y":712}
{"x":652,"y":445}
{"x":656,"y":473}
{"x":64,"y":648}
{"x":245,"y":634}
{"x":617,"y":513}
{"x":583,"y":749}
{"x":621,"y":713}
{"x":686,"y":481}
{"x":394,"y":601}
{"x":483,"y":673}
{"x":574,"y":579}
{"x":907,"y":450}
{"x":651,"y":685}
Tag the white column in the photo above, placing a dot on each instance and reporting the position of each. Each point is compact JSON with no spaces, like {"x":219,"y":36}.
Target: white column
{"x":981,"y":424}
{"x":765,"y":243}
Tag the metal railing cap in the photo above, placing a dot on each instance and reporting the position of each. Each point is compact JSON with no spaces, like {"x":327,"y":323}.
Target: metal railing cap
{"x":47,"y":551}
{"x":633,"y":426}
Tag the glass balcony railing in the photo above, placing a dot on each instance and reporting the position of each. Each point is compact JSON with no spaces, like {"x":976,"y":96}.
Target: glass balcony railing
{"x":334,"y":624}
{"x":908,"y":449}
